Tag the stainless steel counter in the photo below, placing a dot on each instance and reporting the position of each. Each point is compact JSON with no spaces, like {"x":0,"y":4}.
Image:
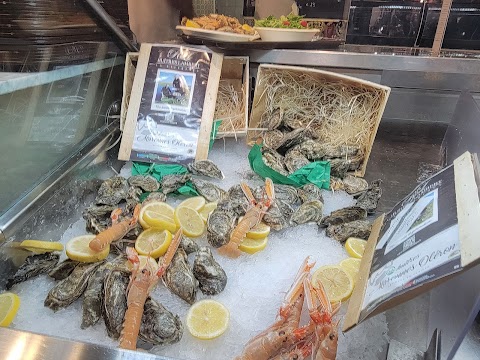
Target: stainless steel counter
{"x":424,"y":95}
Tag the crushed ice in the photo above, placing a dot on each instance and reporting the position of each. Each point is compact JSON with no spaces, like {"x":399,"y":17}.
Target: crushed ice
{"x":255,"y":289}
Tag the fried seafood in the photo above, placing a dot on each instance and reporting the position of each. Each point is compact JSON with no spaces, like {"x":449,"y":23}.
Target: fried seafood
{"x":219,"y":23}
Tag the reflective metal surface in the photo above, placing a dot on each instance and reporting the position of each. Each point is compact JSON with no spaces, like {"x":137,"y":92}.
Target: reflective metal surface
{"x":21,"y":345}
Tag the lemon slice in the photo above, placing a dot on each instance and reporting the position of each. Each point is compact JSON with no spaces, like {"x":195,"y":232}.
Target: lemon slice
{"x":207,"y":210}
{"x":337,"y":282}
{"x":207,"y":319}
{"x":251,"y":246}
{"x":9,"y":304}
{"x":190,"y":221}
{"x":77,"y":249}
{"x":143,"y":262}
{"x":159,"y":221}
{"x":352,"y":267}
{"x":355,"y":247}
{"x":159,"y":207}
{"x":259,"y":231}
{"x":196,"y":203}
{"x":39,"y":246}
{"x":153,"y":242}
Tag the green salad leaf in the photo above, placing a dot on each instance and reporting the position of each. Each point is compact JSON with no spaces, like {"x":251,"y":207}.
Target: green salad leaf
{"x":290,"y":21}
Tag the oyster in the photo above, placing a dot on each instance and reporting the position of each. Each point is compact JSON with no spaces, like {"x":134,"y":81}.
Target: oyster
{"x":208,"y":272}
{"x":295,"y":160}
{"x":205,"y":168}
{"x":71,"y":288}
{"x":115,"y":301}
{"x":133,"y":197}
{"x":145,"y":182}
{"x":342,"y":151}
{"x":179,"y":278}
{"x":278,"y":215}
{"x":317,"y":150}
{"x":272,"y":120}
{"x":188,"y":245}
{"x":339,"y":167}
{"x":159,"y":326}
{"x":92,"y":298}
{"x":344,"y":215}
{"x":273,"y":139}
{"x":307,"y":212}
{"x":358,"y":228}
{"x":310,"y":192}
{"x":120,"y":246}
{"x":294,"y":138}
{"x":369,"y":199}
{"x":171,"y":183}
{"x":98,"y":217}
{"x":156,"y":196}
{"x":285,"y":193}
{"x":274,"y":161}
{"x":208,"y":190}
{"x":219,"y":226}
{"x":354,"y":185}
{"x":63,"y":269}
{"x":34,"y":265}
{"x":112,"y":191}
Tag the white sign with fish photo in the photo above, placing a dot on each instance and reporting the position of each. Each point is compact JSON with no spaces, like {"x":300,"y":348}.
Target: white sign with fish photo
{"x":173,"y":91}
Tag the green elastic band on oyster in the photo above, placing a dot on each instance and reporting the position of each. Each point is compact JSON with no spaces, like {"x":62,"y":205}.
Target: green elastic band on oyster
{"x":317,"y":173}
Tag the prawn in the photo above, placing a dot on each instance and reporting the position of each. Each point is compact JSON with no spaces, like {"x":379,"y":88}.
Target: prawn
{"x":142,"y":281}
{"x":285,"y":333}
{"x":115,"y":232}
{"x":252,"y":217}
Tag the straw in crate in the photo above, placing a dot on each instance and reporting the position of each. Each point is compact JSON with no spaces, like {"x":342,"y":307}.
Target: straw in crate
{"x":232,"y":98}
{"x":317,"y":114}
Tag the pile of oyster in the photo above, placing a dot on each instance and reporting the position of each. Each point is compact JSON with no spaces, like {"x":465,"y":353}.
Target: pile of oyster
{"x":290,"y":144}
{"x":352,"y":221}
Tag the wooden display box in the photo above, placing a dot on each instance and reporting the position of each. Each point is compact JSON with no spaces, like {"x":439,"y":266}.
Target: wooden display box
{"x":235,"y":73}
{"x":129,"y":75}
{"x":313,"y":78}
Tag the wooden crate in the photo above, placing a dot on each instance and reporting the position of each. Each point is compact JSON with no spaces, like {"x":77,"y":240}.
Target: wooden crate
{"x":129,"y":75}
{"x":235,"y":72}
{"x":266,"y":74}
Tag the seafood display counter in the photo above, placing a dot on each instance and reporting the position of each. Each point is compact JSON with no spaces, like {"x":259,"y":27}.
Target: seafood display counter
{"x":428,"y":97}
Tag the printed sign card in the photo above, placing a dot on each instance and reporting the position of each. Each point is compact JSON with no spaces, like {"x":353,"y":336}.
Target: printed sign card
{"x":171,"y":108}
{"x":419,"y":243}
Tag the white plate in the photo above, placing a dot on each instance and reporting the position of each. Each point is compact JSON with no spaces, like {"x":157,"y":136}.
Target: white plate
{"x":217,"y":35}
{"x":286,"y":35}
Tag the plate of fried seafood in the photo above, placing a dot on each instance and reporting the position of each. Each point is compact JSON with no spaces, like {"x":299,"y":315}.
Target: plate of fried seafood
{"x":218,"y":27}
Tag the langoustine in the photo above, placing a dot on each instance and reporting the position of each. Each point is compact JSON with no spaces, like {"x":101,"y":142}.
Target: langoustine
{"x":252,"y":217}
{"x":142,"y":281}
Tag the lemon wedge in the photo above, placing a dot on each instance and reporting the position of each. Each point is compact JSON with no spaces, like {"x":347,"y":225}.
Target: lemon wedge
{"x":207,"y":319}
{"x":158,"y":207}
{"x":259,"y":231}
{"x":77,"y":249}
{"x":355,"y":247}
{"x":207,"y":210}
{"x":196,"y":203}
{"x":9,"y":304}
{"x":39,"y":246}
{"x":190,"y":221}
{"x":191,"y":24}
{"x":352,"y":267}
{"x":337,"y":282}
{"x":252,"y":246}
{"x":153,"y":242}
{"x":159,"y":221}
